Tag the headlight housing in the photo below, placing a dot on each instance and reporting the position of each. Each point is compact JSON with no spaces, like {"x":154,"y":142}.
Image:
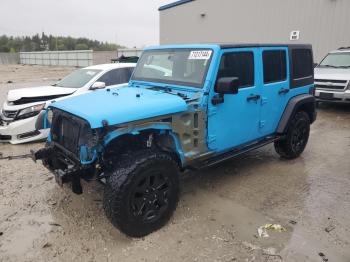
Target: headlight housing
{"x":30,"y":111}
{"x":49,"y":117}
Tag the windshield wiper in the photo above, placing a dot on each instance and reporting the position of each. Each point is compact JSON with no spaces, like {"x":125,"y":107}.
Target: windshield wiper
{"x":168,"y":90}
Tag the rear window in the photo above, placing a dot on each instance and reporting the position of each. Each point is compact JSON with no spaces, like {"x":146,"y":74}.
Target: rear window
{"x":302,"y":63}
{"x":275,"y":66}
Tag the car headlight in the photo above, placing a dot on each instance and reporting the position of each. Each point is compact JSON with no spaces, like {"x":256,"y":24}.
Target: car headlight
{"x":49,"y":116}
{"x":30,"y":111}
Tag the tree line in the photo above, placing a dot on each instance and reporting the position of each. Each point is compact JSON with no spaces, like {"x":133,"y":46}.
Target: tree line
{"x":45,"y":42}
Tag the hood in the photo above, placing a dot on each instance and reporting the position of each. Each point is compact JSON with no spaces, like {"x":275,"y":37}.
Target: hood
{"x":332,"y":73}
{"x":119,"y":106}
{"x":41,"y":93}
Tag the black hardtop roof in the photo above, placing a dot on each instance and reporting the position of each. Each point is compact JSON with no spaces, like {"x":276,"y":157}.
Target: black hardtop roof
{"x":242,"y":45}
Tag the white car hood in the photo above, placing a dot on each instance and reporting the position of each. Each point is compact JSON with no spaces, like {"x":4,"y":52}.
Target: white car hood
{"x":41,"y":91}
{"x":332,"y":73}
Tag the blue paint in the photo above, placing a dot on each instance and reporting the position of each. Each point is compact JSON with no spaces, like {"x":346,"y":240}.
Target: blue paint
{"x":235,"y":121}
{"x":121,"y":105}
{"x":87,"y":155}
{"x":273,"y":103}
{"x":230,"y":124}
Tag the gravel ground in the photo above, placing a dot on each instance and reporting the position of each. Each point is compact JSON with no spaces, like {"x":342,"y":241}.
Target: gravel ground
{"x":218,"y":214}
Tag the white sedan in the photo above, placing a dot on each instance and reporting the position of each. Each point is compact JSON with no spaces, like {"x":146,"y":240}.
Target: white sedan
{"x":24,"y":107}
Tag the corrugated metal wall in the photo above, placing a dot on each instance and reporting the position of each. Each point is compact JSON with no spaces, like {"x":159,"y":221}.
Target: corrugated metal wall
{"x":81,"y":58}
{"x":9,"y":58}
{"x":323,"y":23}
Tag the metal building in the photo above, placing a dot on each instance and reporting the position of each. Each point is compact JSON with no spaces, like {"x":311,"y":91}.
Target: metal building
{"x":323,"y":23}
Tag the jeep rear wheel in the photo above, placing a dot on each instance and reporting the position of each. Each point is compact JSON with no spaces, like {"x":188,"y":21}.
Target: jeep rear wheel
{"x":142,"y":192}
{"x":296,"y":138}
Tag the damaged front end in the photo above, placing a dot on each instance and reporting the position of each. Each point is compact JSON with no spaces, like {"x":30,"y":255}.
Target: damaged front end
{"x":71,"y":150}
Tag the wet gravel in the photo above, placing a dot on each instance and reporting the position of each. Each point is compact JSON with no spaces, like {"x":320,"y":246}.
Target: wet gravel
{"x":219,"y":211}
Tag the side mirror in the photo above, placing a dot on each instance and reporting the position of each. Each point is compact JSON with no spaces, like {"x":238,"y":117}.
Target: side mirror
{"x":315,"y":64}
{"x":98,"y":85}
{"x":227,"y":85}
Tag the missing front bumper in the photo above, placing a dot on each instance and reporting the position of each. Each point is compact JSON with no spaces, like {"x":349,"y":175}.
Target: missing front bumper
{"x":64,"y":169}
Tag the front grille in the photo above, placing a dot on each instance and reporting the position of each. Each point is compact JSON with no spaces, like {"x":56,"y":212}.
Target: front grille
{"x":66,"y":133}
{"x":9,"y":114}
{"x":331,"y":84}
{"x":69,"y":131}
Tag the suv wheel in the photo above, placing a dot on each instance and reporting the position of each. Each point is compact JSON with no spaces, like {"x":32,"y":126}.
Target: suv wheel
{"x":296,"y":138}
{"x":142,"y":192}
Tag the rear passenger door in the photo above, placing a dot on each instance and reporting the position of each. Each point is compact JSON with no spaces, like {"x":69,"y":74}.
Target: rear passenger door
{"x":275,"y":88}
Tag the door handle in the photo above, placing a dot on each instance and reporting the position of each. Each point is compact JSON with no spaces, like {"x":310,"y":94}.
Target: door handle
{"x":253,"y":98}
{"x":283,"y":91}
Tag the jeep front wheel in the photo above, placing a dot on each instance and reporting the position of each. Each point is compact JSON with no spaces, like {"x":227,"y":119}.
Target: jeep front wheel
{"x":297,"y":136}
{"x":142,"y":192}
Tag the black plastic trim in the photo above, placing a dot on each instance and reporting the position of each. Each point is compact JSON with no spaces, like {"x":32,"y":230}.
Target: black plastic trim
{"x":292,"y":107}
{"x":171,"y":5}
{"x":218,"y":158}
{"x":243,"y":45}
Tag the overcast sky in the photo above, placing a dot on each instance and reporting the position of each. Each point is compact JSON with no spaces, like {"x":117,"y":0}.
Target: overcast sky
{"x":127,"y":22}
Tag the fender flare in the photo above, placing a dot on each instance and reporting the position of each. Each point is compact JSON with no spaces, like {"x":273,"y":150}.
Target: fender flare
{"x":292,"y":107}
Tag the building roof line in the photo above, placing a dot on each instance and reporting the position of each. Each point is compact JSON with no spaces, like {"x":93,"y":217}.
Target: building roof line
{"x":177,"y":3}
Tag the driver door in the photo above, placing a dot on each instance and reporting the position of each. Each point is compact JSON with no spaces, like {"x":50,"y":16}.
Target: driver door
{"x":235,"y":121}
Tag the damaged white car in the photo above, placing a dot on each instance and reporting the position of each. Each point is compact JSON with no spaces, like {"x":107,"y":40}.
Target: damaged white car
{"x":20,"y":117}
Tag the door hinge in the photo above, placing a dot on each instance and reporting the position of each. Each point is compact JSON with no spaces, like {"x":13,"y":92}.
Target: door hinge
{"x":211,"y":139}
{"x":263,"y":100}
{"x":262,"y":123}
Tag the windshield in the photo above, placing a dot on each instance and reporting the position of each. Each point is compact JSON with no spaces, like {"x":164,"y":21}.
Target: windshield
{"x":174,"y":66}
{"x":336,"y":60}
{"x":78,"y":78}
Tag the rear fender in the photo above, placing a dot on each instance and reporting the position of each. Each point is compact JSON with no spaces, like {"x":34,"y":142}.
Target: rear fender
{"x":304,"y":102}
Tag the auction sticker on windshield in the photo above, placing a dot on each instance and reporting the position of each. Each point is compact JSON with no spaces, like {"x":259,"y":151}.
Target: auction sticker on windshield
{"x":200,"y":54}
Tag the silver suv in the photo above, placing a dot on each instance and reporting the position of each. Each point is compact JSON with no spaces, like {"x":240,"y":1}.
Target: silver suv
{"x":332,"y":77}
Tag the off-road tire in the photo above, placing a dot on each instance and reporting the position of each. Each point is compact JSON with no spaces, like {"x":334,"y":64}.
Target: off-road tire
{"x":296,"y":138}
{"x":124,"y":183}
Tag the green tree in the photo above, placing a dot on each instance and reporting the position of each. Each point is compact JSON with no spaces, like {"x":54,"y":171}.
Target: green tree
{"x":81,"y":46}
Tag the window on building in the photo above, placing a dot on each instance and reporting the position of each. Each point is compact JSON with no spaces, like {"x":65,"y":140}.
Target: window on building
{"x":275,"y":66}
{"x":238,"y":64}
{"x":302,"y":63}
{"x":116,"y":76}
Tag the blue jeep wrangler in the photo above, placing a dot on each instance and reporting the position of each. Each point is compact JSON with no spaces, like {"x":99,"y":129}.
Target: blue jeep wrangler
{"x":186,"y":106}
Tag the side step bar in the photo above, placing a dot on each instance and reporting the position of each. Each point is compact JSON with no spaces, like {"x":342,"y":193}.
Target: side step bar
{"x":234,"y":152}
